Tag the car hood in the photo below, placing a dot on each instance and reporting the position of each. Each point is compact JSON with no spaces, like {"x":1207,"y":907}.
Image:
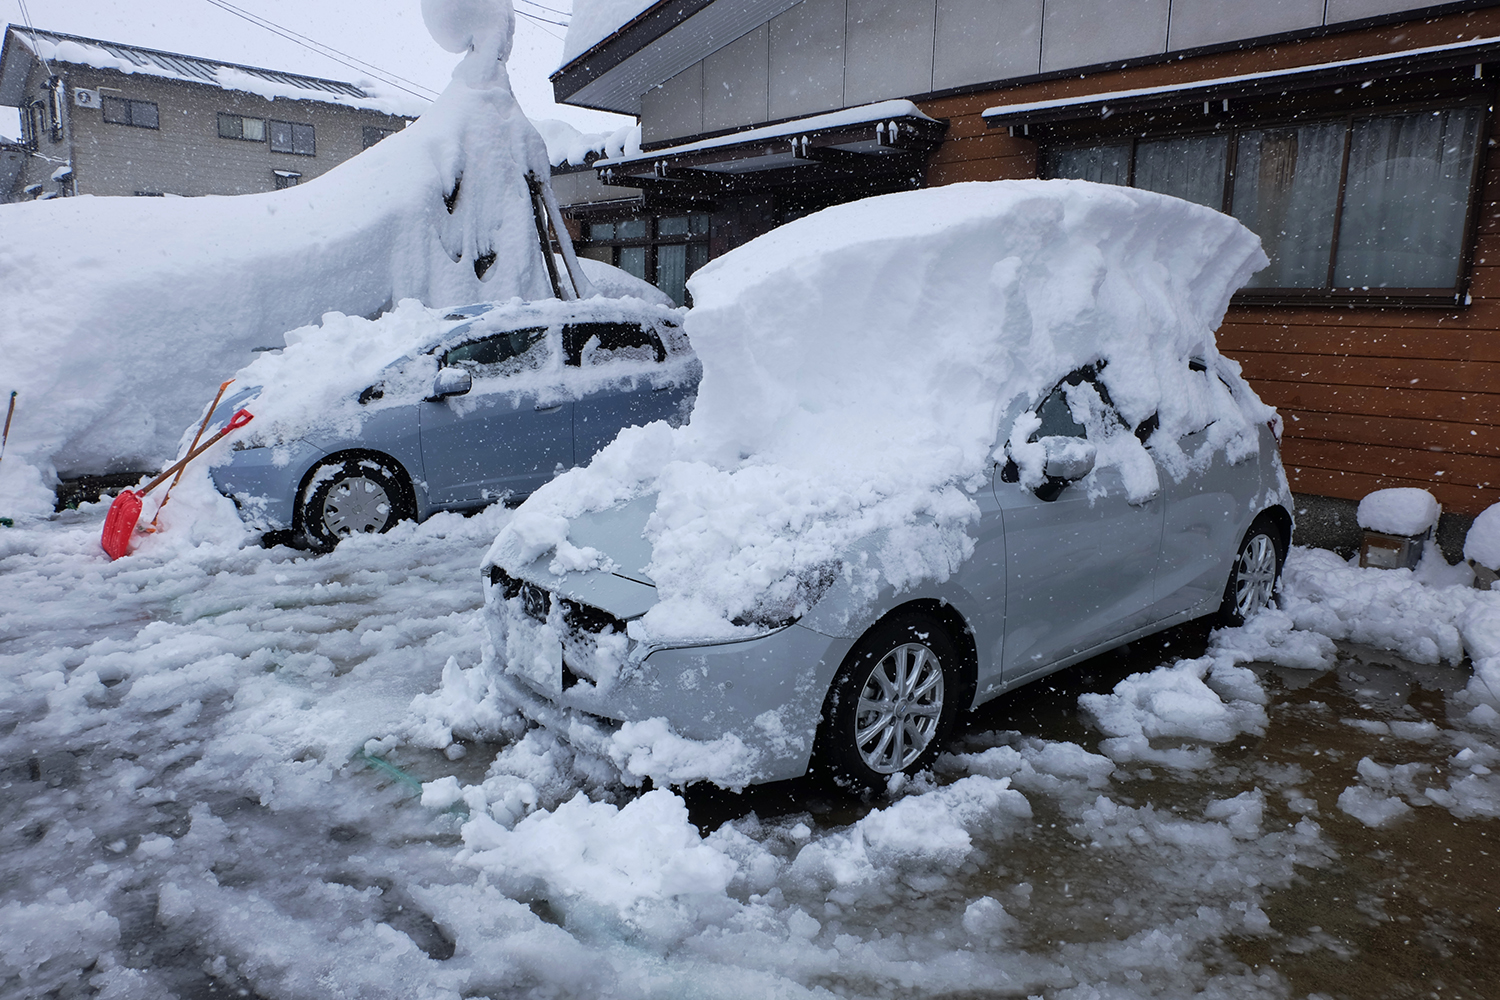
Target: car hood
{"x":623,"y":589}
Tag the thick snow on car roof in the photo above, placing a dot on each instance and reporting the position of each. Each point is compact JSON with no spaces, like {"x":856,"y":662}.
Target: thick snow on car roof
{"x":311,"y":387}
{"x":861,"y":366}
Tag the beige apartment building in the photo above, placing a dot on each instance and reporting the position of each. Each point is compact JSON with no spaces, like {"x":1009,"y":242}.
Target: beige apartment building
{"x":108,"y":119}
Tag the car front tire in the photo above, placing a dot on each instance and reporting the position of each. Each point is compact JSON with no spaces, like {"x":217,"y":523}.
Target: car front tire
{"x":355,"y":495}
{"x":892,"y":705}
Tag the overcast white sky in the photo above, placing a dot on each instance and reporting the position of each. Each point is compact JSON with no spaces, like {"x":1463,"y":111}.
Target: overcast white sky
{"x":386,"y":33}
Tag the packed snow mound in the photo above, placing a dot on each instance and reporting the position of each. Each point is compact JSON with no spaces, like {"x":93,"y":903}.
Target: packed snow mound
{"x":119,"y":316}
{"x":1482,"y":543}
{"x":861,"y":367}
{"x":1403,"y":510}
{"x":614,"y":283}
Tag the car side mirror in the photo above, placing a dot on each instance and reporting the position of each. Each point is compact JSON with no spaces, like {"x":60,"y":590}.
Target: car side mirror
{"x":1068,"y":458}
{"x":450,"y":382}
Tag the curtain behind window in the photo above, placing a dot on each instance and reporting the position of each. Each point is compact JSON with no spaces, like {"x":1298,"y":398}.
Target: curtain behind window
{"x":1405,"y":200}
{"x":1286,"y":187}
{"x":1189,"y":168}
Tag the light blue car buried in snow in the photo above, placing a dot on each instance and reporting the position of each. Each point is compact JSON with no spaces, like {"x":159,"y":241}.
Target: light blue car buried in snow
{"x":491,"y":408}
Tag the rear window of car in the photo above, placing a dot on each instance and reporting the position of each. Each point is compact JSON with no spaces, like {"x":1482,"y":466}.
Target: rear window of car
{"x":600,"y":342}
{"x":492,"y":352}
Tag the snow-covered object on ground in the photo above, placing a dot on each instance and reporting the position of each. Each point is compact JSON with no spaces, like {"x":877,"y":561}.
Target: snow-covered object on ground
{"x":1403,"y":510}
{"x":615,"y":283}
{"x":1482,"y":543}
{"x":595,"y":20}
{"x":119,"y":316}
{"x":865,"y":364}
{"x":567,"y":145}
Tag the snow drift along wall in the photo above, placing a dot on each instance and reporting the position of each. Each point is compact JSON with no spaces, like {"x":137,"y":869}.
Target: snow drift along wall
{"x":119,"y":316}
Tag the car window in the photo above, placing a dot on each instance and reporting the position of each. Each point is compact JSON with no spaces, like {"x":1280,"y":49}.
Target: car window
{"x":497,"y":353}
{"x":1057,"y":416}
{"x":1056,"y":411}
{"x":595,"y":343}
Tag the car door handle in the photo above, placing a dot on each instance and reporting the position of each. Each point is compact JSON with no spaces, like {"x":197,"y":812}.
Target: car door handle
{"x":549,"y":409}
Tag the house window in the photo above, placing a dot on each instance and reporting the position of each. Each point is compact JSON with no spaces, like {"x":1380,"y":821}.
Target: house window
{"x":664,"y":251}
{"x":286,"y":178}
{"x":372,"y":135}
{"x":1364,"y":206}
{"x":124,"y":111}
{"x":291,"y":137}
{"x":240,"y":127}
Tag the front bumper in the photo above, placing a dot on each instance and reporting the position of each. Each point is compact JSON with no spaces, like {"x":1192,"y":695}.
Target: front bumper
{"x":263,"y":482}
{"x":731,"y":713}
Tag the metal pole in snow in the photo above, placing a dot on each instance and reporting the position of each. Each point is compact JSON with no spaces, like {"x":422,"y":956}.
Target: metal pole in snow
{"x":10,"y":412}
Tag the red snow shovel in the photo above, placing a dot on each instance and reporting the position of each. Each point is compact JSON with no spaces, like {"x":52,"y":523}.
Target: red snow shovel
{"x":120,"y":523}
{"x":207,"y":416}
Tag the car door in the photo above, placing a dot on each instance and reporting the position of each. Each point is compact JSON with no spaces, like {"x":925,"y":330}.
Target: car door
{"x":613,"y":403}
{"x":508,"y":434}
{"x":1205,"y":504}
{"x":1080,"y":567}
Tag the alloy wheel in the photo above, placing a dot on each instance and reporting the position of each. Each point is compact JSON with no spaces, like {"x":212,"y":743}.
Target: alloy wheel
{"x":899,"y":708}
{"x":1255,"y":576}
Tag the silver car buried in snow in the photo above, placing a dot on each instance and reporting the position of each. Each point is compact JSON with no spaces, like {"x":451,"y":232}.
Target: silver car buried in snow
{"x":491,"y":407}
{"x":1067,"y":548}
{"x":1056,"y":576}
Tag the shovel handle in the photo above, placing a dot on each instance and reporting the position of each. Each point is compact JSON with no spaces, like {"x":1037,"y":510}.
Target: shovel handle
{"x":240,"y":419}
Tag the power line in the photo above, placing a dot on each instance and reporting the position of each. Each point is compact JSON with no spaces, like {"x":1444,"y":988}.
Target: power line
{"x":542,"y":24}
{"x":550,"y":10}
{"x":542,"y":20}
{"x":26,"y":15}
{"x":326,"y":51}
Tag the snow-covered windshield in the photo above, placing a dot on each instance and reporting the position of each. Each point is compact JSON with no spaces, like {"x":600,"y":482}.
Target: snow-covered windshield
{"x":862,"y":366}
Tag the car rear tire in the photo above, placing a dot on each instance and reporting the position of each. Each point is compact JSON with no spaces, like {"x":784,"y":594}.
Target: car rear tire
{"x":354,"y":495}
{"x":1255,"y":574}
{"x":892,"y":705}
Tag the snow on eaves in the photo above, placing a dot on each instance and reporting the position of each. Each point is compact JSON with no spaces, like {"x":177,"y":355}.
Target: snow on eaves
{"x":595,"y":20}
{"x":1116,"y":96}
{"x":270,"y":84}
{"x":864,"y":114}
{"x":567,"y":146}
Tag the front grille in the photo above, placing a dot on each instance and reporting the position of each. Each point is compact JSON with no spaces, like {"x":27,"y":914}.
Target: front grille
{"x":536,"y":602}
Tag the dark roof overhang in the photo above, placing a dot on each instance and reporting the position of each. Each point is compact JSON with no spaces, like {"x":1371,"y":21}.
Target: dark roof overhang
{"x":880,"y":143}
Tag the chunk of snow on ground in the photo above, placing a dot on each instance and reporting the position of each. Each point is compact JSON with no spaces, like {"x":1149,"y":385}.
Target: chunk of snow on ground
{"x":617,"y":859}
{"x":1377,"y":607}
{"x":1403,"y":510}
{"x":1371,"y":807}
{"x":1175,"y":704}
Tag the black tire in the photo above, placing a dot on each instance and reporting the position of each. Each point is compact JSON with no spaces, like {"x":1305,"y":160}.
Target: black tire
{"x":1256,"y":572}
{"x":864,"y":717}
{"x":355,"y":494}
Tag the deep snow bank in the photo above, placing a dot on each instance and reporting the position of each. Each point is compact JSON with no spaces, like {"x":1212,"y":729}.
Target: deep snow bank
{"x":861,"y":365}
{"x":118,"y":316}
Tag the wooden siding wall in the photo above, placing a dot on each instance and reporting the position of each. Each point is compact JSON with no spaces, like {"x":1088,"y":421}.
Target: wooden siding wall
{"x":1372,"y":397}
